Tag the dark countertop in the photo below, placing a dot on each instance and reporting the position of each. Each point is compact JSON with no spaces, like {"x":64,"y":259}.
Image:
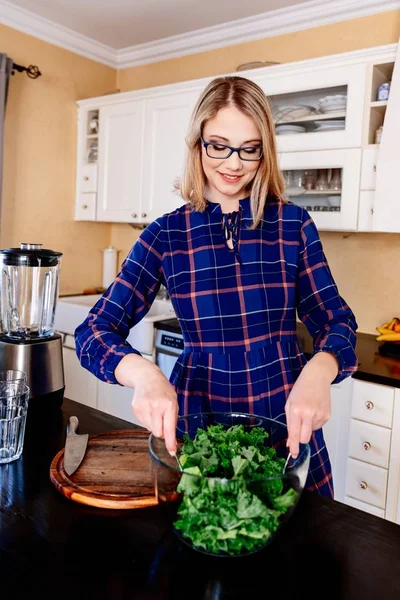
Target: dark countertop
{"x":60,"y":549}
{"x":373,"y":366}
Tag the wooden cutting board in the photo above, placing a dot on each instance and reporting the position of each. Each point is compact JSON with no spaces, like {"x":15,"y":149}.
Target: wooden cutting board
{"x":115,"y":472}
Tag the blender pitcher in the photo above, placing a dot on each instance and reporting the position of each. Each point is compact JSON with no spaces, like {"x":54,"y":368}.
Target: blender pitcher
{"x":29,"y":290}
{"x":29,"y":282}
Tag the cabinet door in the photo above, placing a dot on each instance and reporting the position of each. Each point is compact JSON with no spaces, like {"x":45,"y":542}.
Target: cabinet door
{"x":393,"y":495}
{"x":167,"y":120}
{"x":336,"y":434}
{"x":315,"y":100}
{"x":332,"y":209}
{"x":120,"y":162}
{"x":115,"y":400}
{"x":386,"y":207}
{"x":80,"y":385}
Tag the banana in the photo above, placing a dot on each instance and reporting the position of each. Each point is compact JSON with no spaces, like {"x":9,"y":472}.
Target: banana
{"x":388,"y":326}
{"x":389,"y":337}
{"x":385,"y":330}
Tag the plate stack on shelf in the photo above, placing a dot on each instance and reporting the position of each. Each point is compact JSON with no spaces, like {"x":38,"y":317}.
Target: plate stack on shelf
{"x":335,"y":103}
{"x":329,"y":125}
{"x":289,"y":129}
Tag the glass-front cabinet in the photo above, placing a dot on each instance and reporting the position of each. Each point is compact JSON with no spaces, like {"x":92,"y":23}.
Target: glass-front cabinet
{"x":326,"y":183}
{"x":315,"y":109}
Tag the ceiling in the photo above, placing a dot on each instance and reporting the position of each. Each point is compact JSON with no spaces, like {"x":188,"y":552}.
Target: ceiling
{"x":123,"y":23}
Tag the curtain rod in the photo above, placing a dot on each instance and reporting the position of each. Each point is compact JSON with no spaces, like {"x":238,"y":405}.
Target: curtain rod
{"x":32,"y":71}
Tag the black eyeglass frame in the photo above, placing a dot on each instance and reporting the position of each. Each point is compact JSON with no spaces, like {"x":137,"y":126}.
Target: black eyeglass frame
{"x":232,"y":150}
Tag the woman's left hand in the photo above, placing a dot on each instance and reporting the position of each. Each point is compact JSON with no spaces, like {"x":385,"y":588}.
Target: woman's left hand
{"x":308,"y":406}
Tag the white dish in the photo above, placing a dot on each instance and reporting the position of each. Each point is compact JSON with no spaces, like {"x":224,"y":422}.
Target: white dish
{"x":332,"y":109}
{"x":331,"y":128}
{"x":337,"y":98}
{"x":333,"y":200}
{"x":289,"y":129}
{"x":294,"y":191}
{"x":292,"y":112}
{"x":329,"y":122}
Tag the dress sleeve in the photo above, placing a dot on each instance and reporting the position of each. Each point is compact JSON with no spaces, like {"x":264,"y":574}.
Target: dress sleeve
{"x":101,"y":339}
{"x":328,"y":318}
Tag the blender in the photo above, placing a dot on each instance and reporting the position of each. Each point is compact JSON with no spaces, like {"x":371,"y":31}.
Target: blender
{"x":29,"y":283}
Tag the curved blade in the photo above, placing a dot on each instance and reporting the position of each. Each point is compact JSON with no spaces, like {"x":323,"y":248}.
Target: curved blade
{"x":75,"y":448}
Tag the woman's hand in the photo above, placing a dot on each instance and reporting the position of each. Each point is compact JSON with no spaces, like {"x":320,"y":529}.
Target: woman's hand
{"x":154,"y":402}
{"x":308,"y":406}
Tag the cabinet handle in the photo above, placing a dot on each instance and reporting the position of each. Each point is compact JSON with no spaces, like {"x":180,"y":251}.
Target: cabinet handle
{"x":134,"y":215}
{"x":85,"y":178}
{"x":369,"y":405}
{"x":374,"y":168}
{"x":363,"y":485}
{"x":367,"y":446}
{"x":144,"y":215}
{"x":84,"y":206}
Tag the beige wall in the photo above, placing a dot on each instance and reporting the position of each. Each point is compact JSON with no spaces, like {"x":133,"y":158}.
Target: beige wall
{"x":364,"y":265}
{"x":40,"y":156}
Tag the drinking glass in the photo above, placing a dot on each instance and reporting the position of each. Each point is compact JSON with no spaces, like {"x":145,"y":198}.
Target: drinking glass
{"x":14,"y":397}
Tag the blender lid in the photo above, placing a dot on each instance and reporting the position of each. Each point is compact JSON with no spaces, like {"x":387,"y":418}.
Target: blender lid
{"x":30,"y":255}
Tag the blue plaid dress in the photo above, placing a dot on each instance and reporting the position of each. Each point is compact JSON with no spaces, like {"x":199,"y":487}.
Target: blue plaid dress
{"x":237,"y":309}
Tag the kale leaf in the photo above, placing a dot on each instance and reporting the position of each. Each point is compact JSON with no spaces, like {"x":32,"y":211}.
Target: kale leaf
{"x":228,"y":505}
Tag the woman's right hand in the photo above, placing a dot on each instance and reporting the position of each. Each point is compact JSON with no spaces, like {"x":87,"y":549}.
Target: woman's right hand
{"x":154,"y":403}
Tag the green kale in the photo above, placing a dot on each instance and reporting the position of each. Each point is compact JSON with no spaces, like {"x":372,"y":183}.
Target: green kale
{"x":228,"y":505}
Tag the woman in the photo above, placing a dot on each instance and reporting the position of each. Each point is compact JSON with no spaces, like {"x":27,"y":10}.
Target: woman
{"x":238,"y":262}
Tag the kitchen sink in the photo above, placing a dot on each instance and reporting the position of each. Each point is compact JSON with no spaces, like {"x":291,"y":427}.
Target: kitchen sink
{"x":71,"y":311}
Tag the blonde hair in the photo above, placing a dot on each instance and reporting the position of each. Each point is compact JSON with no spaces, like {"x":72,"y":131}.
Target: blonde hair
{"x":250,"y":99}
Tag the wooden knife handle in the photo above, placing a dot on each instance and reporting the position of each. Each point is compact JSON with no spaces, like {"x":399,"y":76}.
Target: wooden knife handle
{"x":73,"y":425}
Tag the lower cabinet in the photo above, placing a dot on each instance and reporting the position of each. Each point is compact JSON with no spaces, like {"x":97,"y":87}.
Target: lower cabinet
{"x":81,"y":386}
{"x":363,"y":439}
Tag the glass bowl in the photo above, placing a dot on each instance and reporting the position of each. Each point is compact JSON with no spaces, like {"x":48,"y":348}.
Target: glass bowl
{"x":228,"y":512}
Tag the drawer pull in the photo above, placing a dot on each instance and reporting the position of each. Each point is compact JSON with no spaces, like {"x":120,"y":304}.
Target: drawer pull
{"x":363,"y":485}
{"x":374,"y":168}
{"x":134,"y":215}
{"x":85,"y":178}
{"x":144,"y":215}
{"x":367,"y":446}
{"x":369,"y":405}
{"x":84,"y":206}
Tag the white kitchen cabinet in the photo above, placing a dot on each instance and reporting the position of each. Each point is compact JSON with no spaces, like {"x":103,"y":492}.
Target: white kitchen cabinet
{"x":131,"y":145}
{"x":393,"y":496}
{"x":304,"y":85}
{"x":80,"y":385}
{"x":329,"y":208}
{"x":336,"y":433}
{"x":121,"y":160}
{"x":167,"y":121}
{"x":386,"y":208}
{"x":115,"y":400}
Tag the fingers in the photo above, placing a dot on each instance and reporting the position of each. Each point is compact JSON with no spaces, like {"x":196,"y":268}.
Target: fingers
{"x":294,"y":429}
{"x":157,"y":423}
{"x":306,"y":429}
{"x":170,"y":416}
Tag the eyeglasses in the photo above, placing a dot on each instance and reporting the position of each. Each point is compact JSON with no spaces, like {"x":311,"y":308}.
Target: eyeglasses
{"x":222,"y":152}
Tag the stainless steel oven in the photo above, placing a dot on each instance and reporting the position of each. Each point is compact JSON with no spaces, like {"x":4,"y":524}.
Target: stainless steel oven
{"x":168,"y":345}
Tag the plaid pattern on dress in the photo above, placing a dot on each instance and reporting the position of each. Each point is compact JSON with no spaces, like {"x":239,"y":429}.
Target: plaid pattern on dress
{"x":237,"y":309}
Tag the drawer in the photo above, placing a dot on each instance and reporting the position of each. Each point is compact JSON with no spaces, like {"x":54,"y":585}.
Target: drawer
{"x":370,"y":443}
{"x":366,"y":483}
{"x":368,"y":168}
{"x":88,"y":178}
{"x":372,"y":403}
{"x":366,"y":211}
{"x":85,"y":209}
{"x":372,"y":510}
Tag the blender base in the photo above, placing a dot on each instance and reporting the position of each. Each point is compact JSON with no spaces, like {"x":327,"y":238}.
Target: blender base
{"x":42,"y":361}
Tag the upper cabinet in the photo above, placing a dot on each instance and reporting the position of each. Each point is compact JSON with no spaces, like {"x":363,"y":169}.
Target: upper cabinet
{"x":121,"y":160}
{"x":316,"y":109}
{"x":167,"y":121}
{"x":337,"y":130}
